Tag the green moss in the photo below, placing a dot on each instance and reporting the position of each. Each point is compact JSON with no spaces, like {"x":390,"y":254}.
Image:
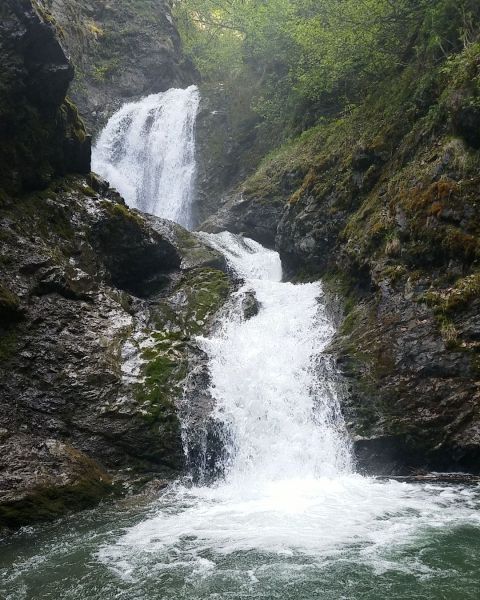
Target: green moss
{"x":455,"y":298}
{"x":121,"y":211}
{"x":164,"y":370}
{"x":344,"y":286}
{"x":74,"y":123}
{"x":395,"y":273}
{"x":45,"y":504}
{"x":45,"y":14}
{"x":449,"y":302}
{"x":103,"y":71}
{"x":207,"y":290}
{"x":165,"y":361}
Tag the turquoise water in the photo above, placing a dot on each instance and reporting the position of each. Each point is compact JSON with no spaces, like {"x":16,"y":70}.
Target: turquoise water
{"x":74,"y":559}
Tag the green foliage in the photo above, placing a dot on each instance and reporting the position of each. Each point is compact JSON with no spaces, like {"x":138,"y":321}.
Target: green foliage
{"x":450,"y":25}
{"x":318,"y":56}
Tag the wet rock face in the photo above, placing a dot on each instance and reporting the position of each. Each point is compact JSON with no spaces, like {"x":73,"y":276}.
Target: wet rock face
{"x":388,"y":216}
{"x":228,"y":146}
{"x":131,"y":257}
{"x":42,"y":135}
{"x":48,"y":72}
{"x":121,"y":50}
{"x":413,"y":398}
{"x":250,"y":305}
{"x":55,"y":478}
{"x":407,"y":347}
{"x":99,"y":304}
{"x":94,"y":341}
{"x":256,"y":218}
{"x":205,"y":443}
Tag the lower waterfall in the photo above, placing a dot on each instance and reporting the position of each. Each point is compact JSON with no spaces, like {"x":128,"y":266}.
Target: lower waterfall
{"x":274,"y":391}
{"x":290,"y":505}
{"x":147,"y":152}
{"x":290,"y":519}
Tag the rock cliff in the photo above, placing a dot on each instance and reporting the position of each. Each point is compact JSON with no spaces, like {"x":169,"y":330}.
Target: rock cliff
{"x":383,"y":204}
{"x":121,"y":50}
{"x":99,"y":305}
{"x":42,"y":134}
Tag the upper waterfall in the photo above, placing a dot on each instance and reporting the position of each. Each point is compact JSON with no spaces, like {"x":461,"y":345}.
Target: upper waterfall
{"x":147,"y":152}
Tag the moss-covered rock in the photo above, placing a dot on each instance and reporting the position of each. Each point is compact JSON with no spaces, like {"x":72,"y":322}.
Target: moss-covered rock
{"x":383,"y":204}
{"x":106,"y":305}
{"x":187,"y":312}
{"x":44,"y":478}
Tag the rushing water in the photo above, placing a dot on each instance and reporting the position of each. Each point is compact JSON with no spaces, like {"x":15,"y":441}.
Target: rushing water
{"x":290,"y":519}
{"x":147,"y":152}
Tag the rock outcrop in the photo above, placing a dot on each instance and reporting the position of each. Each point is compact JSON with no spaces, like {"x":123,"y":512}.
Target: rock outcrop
{"x":99,"y":308}
{"x":384,"y":206}
{"x":257,"y":218}
{"x":41,"y":132}
{"x":121,"y":50}
{"x":229,"y":147}
{"x":99,"y":305}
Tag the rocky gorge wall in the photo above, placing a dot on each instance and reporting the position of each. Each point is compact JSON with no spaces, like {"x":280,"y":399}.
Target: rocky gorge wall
{"x":127,"y":49}
{"x":99,"y":304}
{"x":121,"y":51}
{"x":383,"y":205}
{"x":98,"y":308}
{"x":42,"y":134}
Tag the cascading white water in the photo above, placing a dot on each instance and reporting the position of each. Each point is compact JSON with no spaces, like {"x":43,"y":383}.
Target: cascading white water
{"x":290,"y":519}
{"x":289,"y":489}
{"x":147,"y":152}
{"x":283,"y":419}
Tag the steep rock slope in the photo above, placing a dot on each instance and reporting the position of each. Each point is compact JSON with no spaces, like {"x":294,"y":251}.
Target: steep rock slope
{"x":384,"y":205}
{"x":127,"y":49}
{"x":42,"y":135}
{"x":99,"y":305}
{"x":229,"y":145}
{"x":98,"y":308}
{"x":121,"y":50}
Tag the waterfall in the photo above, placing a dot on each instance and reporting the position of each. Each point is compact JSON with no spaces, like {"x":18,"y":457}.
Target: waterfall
{"x":289,"y":518}
{"x":275,"y":391}
{"x":147,"y":152}
{"x":289,"y":506}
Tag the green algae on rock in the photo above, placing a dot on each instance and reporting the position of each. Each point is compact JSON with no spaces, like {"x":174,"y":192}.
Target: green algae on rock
{"x":79,"y":323}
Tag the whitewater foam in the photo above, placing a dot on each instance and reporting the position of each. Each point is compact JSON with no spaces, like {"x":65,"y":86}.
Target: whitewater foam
{"x":289,"y":488}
